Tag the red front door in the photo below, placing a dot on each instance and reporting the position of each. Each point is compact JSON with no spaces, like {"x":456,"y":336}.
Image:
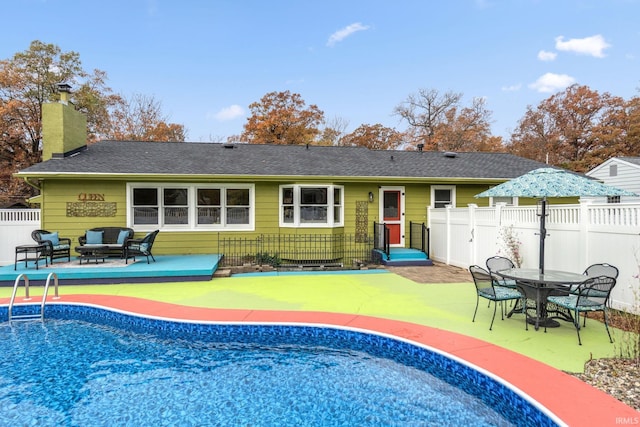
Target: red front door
{"x":392,"y":215}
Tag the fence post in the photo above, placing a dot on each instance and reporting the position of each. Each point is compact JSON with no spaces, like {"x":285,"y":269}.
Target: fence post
{"x":473,"y":250}
{"x":584,"y":232}
{"x":448,"y":238}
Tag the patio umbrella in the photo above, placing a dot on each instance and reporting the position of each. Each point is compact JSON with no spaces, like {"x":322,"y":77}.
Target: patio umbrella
{"x":548,"y":182}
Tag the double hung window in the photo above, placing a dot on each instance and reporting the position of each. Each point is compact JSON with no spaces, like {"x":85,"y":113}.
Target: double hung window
{"x":443,"y":195}
{"x":311,"y":205}
{"x":184,"y":207}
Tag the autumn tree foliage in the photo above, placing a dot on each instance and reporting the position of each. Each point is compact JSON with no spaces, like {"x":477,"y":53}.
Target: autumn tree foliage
{"x":468,"y":129}
{"x":282,"y":118}
{"x":31,"y":78}
{"x":439,"y":122}
{"x":28,"y":80}
{"x":578,"y":129}
{"x":374,"y":137}
{"x":140,"y":118}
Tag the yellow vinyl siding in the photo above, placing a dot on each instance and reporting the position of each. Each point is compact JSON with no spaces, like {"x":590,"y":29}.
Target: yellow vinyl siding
{"x":416,"y":201}
{"x":56,"y":195}
{"x":58,"y":192}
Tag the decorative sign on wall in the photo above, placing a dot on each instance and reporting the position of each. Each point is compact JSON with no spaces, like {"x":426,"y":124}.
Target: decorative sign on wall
{"x":362,"y":221}
{"x":91,"y":205}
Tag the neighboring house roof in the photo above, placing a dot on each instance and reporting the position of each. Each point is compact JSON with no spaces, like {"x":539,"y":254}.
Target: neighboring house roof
{"x":634,"y":162}
{"x":145,"y":158}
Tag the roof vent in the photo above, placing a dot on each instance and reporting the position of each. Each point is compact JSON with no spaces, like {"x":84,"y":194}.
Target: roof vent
{"x":228,"y":146}
{"x":450,"y":154}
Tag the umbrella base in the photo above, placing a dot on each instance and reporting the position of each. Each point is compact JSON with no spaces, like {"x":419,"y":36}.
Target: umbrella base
{"x":545,"y":323}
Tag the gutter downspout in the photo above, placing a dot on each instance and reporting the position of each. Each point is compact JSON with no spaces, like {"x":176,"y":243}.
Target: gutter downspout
{"x":26,"y":179}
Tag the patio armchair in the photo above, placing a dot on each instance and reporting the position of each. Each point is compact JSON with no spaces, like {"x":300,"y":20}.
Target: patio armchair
{"x":592,"y":295}
{"x":56,"y":246}
{"x":140,"y":247}
{"x":486,"y":288}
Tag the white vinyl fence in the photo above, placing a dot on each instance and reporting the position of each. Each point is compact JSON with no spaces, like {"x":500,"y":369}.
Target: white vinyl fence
{"x":577,"y":236}
{"x":16,"y":226}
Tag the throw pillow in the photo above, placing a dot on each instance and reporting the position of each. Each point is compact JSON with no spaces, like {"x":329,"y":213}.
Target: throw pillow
{"x":94,"y":237}
{"x":52,"y":237}
{"x":122,"y":236}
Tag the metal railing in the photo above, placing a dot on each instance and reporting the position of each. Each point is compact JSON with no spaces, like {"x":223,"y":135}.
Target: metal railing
{"x":381,"y":238}
{"x":419,"y":237}
{"x":296,"y":250}
{"x":30,"y":315}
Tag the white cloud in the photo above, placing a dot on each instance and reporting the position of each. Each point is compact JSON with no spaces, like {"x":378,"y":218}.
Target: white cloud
{"x":593,"y":46}
{"x":512,"y":88}
{"x":543,"y":55}
{"x":227,"y":113}
{"x":551,"y":82}
{"x":345,"y":32}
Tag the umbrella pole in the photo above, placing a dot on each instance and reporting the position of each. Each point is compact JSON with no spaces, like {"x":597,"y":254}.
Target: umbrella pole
{"x":543,"y":231}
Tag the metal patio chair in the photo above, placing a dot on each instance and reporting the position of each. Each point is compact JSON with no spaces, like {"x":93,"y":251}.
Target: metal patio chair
{"x":486,"y":288}
{"x":592,"y":295}
{"x":497,"y":263}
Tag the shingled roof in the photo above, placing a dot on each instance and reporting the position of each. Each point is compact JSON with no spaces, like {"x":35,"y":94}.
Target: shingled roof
{"x":144,"y":158}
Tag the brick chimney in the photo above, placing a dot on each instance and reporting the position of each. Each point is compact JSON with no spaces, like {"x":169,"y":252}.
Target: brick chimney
{"x":64,"y":130}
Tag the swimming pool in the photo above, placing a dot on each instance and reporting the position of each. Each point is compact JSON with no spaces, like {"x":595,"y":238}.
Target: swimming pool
{"x":167,"y":373}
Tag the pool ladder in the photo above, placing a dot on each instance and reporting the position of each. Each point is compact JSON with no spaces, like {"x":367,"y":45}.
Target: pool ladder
{"x":32,"y":316}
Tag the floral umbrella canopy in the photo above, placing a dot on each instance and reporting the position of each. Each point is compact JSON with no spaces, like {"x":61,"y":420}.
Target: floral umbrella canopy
{"x":548,"y":182}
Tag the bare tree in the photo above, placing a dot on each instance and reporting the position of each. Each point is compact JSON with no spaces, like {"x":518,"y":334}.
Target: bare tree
{"x":140,"y":118}
{"x":333,"y":131}
{"x":425,"y":110}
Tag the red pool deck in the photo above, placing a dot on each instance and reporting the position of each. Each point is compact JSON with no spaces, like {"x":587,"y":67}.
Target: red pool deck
{"x":569,"y":399}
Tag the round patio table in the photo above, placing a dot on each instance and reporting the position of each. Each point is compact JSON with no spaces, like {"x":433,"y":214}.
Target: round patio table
{"x":537,"y":286}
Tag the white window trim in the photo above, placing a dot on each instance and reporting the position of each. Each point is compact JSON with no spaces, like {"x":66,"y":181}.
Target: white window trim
{"x":514,"y":199}
{"x":296,"y":207}
{"x":452,"y":188}
{"x":192,"y":224}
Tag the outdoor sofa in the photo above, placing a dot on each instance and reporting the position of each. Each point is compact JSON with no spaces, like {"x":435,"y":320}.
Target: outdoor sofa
{"x":115,"y":238}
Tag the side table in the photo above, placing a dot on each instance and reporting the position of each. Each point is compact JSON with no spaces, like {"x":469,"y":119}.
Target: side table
{"x":30,"y":253}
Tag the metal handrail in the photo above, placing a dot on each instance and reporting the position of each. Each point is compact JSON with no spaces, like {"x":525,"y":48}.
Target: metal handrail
{"x":28,"y":298}
{"x":46,"y":291}
{"x":419,"y":237}
{"x":381,"y":240}
{"x":15,"y":289}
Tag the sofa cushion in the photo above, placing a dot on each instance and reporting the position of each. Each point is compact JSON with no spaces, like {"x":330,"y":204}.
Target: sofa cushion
{"x":122,"y":236}
{"x":94,"y":237}
{"x":52,"y":237}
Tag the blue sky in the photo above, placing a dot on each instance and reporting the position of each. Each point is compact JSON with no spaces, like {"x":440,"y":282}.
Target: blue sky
{"x":206,"y":61}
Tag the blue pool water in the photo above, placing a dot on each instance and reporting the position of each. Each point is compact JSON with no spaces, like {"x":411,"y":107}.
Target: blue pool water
{"x":124,"y":370}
